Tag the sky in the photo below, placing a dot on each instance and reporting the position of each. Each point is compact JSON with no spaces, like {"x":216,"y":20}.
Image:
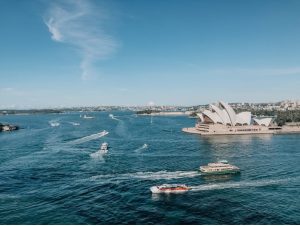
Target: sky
{"x":140,"y":52}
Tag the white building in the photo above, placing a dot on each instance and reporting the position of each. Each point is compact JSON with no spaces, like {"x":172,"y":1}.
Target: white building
{"x":223,"y":113}
{"x":220,"y":118}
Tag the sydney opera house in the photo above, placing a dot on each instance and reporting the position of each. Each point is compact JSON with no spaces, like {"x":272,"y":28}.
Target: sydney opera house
{"x":220,"y":118}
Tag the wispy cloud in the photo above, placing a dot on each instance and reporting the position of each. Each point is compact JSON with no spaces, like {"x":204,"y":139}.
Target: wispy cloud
{"x":81,"y":24}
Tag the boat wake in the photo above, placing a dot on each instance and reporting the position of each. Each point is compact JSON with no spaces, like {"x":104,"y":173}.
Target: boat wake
{"x":166,"y":175}
{"x":241,"y":184}
{"x":122,"y":130}
{"x":98,"y":155}
{"x":89,"y":138}
{"x":86,"y":117}
{"x":145,"y":146}
{"x":74,"y":123}
{"x":160,"y":175}
{"x":54,"y":123}
{"x":114,"y":117}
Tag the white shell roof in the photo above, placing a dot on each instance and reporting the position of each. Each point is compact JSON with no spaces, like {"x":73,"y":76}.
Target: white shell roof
{"x":224,"y":114}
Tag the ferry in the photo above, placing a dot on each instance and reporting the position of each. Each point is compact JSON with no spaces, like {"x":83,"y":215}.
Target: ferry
{"x":170,"y":188}
{"x":220,"y":167}
{"x":104,"y":148}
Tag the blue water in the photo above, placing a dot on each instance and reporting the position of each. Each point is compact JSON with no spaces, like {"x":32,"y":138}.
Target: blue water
{"x":47,"y":178}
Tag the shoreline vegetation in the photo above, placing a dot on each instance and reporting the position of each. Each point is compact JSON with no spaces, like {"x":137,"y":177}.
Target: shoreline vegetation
{"x":288,"y":117}
{"x":30,"y":111}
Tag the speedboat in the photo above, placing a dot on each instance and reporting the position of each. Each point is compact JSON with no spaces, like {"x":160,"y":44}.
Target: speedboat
{"x":170,"y":188}
{"x":104,"y":148}
{"x":220,"y":167}
{"x":87,"y":117}
{"x":54,"y":123}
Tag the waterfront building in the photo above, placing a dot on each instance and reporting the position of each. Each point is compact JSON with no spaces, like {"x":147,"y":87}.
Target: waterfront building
{"x":220,"y":118}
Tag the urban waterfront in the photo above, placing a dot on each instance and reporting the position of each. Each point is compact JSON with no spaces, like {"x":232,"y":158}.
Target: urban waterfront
{"x":48,"y":175}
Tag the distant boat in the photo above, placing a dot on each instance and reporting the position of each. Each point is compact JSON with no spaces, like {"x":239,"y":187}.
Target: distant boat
{"x":74,"y":123}
{"x":88,"y":117}
{"x":101,"y":152}
{"x":221,"y":167}
{"x":54,"y":124}
{"x":104,"y":148}
{"x":170,"y":188}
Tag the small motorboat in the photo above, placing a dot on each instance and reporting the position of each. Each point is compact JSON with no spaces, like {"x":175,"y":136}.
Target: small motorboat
{"x":88,"y":117}
{"x":104,"y":148}
{"x":170,"y":188}
{"x":54,"y":123}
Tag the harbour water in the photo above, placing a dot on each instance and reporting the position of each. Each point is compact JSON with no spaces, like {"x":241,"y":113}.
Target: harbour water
{"x":49,"y":175}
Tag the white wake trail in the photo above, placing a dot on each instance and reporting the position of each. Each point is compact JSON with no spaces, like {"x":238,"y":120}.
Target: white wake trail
{"x":74,"y":123}
{"x":89,"y":138}
{"x":145,"y":146}
{"x":98,"y":156}
{"x":160,"y":175}
{"x":114,"y":117}
{"x":240,"y":184}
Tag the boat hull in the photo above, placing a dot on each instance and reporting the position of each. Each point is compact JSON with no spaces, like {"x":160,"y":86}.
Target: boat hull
{"x":156,"y":190}
{"x":219,"y":172}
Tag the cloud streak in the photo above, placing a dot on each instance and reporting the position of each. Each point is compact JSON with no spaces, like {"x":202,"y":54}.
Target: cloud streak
{"x":81,"y":25}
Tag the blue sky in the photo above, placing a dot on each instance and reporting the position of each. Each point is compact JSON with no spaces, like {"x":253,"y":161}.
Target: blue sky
{"x":133,"y":52}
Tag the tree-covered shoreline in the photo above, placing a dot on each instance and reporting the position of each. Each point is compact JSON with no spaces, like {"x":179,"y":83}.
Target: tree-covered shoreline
{"x":281,"y":117}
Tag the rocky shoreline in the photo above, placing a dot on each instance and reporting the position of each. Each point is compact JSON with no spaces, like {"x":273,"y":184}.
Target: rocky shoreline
{"x":8,"y":127}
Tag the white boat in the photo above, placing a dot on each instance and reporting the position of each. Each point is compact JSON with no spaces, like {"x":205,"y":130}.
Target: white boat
{"x":104,"y":148}
{"x":54,"y":124}
{"x":5,"y":128}
{"x":88,"y":117}
{"x":220,"y":167}
{"x":170,"y":188}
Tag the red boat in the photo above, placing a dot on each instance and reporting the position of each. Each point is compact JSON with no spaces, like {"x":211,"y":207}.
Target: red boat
{"x":170,"y":188}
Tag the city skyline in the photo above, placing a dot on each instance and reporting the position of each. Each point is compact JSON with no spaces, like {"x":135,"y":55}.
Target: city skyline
{"x":91,"y":53}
